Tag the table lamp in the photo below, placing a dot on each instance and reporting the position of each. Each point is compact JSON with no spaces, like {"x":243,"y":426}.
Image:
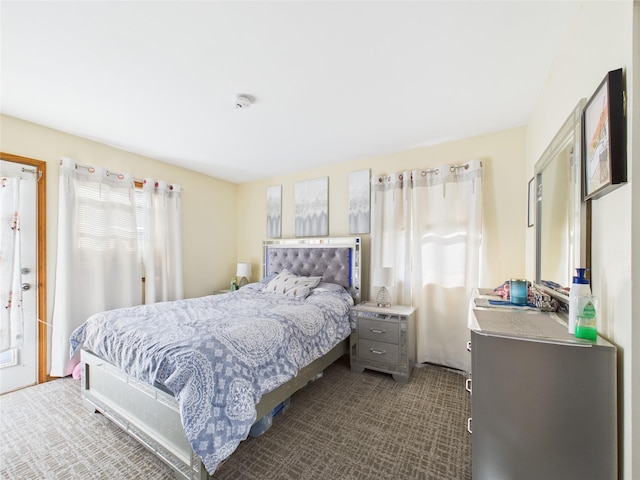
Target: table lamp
{"x":243,"y":272}
{"x":383,"y":278}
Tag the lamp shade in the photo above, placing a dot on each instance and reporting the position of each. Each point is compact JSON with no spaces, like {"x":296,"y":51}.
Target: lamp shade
{"x":243,"y":270}
{"x":383,"y":277}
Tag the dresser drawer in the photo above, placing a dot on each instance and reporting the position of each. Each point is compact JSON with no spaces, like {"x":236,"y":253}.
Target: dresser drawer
{"x":378,"y":331}
{"x":379,"y":352}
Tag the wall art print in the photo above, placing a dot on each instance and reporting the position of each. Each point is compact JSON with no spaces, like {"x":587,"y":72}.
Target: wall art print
{"x":312,"y":207}
{"x":604,"y":145}
{"x":359,"y":202}
{"x":274,"y":211}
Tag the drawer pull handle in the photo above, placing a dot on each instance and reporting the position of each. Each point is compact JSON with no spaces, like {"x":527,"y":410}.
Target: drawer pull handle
{"x":468,"y":346}
{"x":377,"y":352}
{"x":376,"y":330}
{"x":467,"y":385}
{"x":469,"y":425}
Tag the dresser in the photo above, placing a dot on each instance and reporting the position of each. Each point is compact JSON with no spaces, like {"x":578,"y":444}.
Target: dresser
{"x":383,"y":339}
{"x":543,"y":403}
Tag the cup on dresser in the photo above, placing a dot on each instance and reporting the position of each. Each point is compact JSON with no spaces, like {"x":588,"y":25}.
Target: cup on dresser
{"x":518,"y":291}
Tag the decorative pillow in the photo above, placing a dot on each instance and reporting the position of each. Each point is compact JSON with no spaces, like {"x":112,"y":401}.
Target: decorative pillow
{"x":286,"y":283}
{"x":329,"y":287}
{"x":268,"y":278}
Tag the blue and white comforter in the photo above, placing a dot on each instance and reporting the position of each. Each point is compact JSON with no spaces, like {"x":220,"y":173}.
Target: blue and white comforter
{"x":219,"y":354}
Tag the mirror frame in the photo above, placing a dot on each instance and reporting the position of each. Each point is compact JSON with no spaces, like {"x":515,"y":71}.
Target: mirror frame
{"x":580,"y":235}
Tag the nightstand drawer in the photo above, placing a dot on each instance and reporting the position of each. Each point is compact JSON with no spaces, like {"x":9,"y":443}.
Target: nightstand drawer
{"x":379,"y":352}
{"x":378,"y":331}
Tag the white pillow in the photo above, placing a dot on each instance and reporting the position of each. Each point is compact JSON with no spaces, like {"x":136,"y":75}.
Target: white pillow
{"x":329,"y":287}
{"x":287,"y":283}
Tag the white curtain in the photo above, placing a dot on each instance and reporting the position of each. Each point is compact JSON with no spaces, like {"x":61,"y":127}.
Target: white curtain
{"x":391,"y":232}
{"x":162,"y":241}
{"x":427,"y":225}
{"x":11,"y":317}
{"x":98,"y":265}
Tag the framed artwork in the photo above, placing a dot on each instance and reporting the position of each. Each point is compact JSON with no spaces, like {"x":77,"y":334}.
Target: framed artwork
{"x":359,"y":202}
{"x":604,"y":163}
{"x":312,"y":207}
{"x":532,"y":202}
{"x":274,"y":211}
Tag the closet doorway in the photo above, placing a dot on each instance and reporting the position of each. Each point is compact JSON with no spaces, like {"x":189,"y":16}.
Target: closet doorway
{"x":23,"y":361}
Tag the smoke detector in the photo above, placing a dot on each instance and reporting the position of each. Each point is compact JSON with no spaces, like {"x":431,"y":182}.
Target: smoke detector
{"x":243,"y":101}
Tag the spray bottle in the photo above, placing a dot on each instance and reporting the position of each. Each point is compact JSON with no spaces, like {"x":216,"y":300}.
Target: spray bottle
{"x":580,"y":286}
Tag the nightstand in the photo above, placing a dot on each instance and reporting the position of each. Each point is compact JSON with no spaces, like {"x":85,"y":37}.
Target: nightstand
{"x":220,"y":292}
{"x":383,"y":339}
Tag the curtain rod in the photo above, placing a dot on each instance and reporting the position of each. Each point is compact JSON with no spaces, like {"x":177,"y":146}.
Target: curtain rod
{"x":436,"y":171}
{"x":91,"y":169}
{"x":32,"y":170}
{"x":453,"y":168}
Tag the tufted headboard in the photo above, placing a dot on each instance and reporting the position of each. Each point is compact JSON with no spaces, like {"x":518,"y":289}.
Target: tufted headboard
{"x":336,"y":260}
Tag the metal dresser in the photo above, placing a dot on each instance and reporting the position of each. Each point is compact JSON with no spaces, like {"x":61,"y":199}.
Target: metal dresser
{"x":543,"y":403}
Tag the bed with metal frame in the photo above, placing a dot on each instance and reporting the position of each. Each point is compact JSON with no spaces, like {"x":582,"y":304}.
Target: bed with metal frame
{"x":150,"y":414}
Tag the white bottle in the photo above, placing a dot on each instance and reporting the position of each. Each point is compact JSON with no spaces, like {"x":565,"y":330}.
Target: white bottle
{"x":580,"y":286}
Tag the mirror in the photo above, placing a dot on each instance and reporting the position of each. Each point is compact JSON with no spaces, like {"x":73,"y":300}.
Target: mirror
{"x":561,"y":227}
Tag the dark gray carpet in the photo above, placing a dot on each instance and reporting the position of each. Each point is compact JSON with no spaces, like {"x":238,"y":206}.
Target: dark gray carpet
{"x":343,"y":426}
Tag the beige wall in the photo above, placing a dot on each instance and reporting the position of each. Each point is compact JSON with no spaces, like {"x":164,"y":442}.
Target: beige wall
{"x":505,"y":200}
{"x":208,"y":204}
{"x":224,"y":223}
{"x":582,"y":61}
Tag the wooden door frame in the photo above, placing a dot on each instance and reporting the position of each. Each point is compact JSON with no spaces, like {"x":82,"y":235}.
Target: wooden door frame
{"x":41,"y":254}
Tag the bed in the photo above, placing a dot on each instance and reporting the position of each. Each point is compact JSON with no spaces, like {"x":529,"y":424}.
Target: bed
{"x":191,"y":392}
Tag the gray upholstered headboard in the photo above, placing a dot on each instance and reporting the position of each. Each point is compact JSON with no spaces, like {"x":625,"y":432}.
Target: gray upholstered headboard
{"x":336,"y":260}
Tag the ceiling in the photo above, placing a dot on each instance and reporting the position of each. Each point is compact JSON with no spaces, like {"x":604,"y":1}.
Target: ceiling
{"x":331,"y":81}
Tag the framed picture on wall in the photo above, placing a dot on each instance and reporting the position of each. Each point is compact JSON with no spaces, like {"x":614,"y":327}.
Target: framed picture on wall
{"x":604,"y":159}
{"x":359,"y":202}
{"x":274,"y":211}
{"x":312,"y":207}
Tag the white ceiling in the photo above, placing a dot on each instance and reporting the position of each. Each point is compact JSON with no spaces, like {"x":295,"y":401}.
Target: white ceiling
{"x":333,"y":81}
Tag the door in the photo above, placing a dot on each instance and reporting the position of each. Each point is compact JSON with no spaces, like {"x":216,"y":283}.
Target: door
{"x":19,"y":366}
